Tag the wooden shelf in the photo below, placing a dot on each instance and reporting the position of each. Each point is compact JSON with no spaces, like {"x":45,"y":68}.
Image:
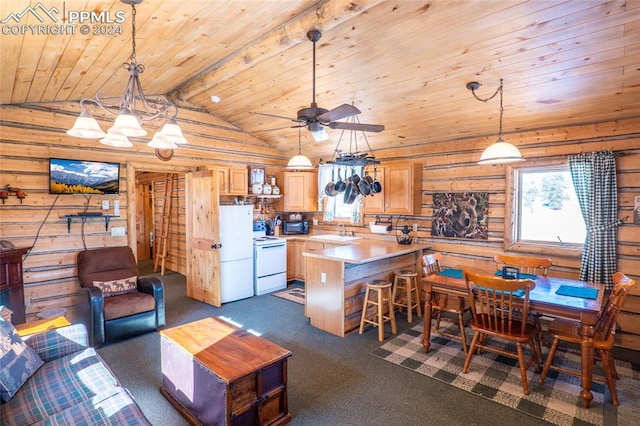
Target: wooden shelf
{"x":83,"y":218}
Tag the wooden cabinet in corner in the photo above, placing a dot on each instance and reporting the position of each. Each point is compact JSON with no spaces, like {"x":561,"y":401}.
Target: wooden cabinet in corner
{"x":300,"y":192}
{"x":401,"y":190}
{"x":233,"y":180}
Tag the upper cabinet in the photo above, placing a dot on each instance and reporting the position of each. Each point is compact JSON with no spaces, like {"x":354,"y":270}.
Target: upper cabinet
{"x":300,"y":192}
{"x":401,"y":190}
{"x":233,"y":180}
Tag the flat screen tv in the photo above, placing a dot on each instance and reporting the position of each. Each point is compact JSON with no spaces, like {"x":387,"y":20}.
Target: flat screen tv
{"x":83,"y":177}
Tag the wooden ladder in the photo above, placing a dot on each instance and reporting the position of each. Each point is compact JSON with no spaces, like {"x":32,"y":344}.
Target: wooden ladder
{"x":162,"y":239}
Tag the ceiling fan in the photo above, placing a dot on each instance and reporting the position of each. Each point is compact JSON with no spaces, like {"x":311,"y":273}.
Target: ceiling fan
{"x":315,"y":118}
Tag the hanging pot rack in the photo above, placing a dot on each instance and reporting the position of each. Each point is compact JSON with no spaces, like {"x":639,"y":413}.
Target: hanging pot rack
{"x":353,"y":157}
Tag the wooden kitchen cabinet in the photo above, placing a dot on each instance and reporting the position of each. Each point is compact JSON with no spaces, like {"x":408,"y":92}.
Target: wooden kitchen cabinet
{"x":300,"y":192}
{"x":401,"y":190}
{"x":295,"y":260}
{"x":233,"y":180}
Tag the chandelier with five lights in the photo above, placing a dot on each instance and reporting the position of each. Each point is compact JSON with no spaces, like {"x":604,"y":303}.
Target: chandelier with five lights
{"x":131,"y":109}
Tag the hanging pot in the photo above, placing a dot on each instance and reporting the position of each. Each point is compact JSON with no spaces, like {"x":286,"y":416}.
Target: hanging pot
{"x":355,"y":178}
{"x":364,"y":187}
{"x":376,"y":187}
{"x":330,"y":189}
{"x":350,"y":193}
{"x":340,"y":185}
{"x":368,"y":178}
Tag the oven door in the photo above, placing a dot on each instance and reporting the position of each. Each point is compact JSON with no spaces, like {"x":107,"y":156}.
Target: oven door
{"x":270,"y":259}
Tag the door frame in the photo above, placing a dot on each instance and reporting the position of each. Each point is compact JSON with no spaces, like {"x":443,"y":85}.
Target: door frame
{"x":139,"y":166}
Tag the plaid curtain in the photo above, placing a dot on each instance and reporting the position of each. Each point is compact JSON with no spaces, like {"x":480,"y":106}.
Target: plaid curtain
{"x":594,"y":179}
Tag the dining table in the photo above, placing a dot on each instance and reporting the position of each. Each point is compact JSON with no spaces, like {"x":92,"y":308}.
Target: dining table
{"x":543,"y":299}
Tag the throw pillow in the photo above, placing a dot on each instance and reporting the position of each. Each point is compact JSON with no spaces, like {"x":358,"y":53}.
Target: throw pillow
{"x":17,"y":361}
{"x":116,"y":287}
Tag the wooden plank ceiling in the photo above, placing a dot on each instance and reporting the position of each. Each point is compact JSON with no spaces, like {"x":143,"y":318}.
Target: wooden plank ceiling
{"x":404,"y":63}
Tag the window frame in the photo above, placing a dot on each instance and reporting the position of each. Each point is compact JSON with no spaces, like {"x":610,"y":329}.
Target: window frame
{"x":511,"y":219}
{"x":357,"y":204}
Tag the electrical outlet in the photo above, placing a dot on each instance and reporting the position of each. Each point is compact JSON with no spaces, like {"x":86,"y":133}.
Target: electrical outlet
{"x":117,"y":231}
{"x":105,"y":204}
{"x":415,"y":227}
{"x":323,"y":277}
{"x":116,"y":207}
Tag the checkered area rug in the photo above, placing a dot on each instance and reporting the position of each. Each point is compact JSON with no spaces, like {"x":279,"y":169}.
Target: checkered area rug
{"x":497,"y":378}
{"x":295,"y":294}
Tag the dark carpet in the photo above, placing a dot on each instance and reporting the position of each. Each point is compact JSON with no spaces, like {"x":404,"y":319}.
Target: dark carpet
{"x":331,"y":380}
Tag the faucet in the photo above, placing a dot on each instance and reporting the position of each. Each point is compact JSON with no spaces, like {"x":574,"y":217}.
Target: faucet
{"x":341,"y":231}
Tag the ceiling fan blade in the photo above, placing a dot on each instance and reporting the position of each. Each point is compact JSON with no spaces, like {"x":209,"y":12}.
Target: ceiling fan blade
{"x":272,"y":115}
{"x":295,"y":126}
{"x":338,"y":113}
{"x":357,"y":126}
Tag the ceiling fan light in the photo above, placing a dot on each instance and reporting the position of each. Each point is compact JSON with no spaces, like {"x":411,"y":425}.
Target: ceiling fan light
{"x":128,"y":124}
{"x":299,"y":162}
{"x":86,"y":126}
{"x":172,"y":132}
{"x":500,"y":152}
{"x":320,"y":135}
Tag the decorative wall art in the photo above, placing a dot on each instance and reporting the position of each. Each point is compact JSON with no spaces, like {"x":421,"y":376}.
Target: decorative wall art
{"x":460,"y":215}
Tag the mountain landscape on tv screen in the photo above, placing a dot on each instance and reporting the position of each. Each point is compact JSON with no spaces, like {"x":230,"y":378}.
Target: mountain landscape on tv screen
{"x":70,"y":181}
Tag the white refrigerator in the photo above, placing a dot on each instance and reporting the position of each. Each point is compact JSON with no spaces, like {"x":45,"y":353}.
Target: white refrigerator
{"x":236,"y":253}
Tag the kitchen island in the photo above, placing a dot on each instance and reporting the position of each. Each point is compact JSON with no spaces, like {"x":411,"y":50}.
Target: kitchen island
{"x":336,"y":277}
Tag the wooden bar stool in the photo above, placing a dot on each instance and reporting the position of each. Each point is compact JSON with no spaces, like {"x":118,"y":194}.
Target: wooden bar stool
{"x":409,"y":298}
{"x":382,"y":293}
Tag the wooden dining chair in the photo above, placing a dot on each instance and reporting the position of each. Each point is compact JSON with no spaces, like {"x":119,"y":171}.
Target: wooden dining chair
{"x":527,"y":265}
{"x":570,"y":331}
{"x":442,"y":303}
{"x":496,"y":313}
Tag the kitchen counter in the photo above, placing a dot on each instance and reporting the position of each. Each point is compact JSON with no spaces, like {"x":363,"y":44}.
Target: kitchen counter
{"x":336,"y":277}
{"x":363,"y":251}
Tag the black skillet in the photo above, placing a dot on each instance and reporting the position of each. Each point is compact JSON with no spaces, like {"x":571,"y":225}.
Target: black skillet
{"x":340,"y":184}
{"x":376,"y":187}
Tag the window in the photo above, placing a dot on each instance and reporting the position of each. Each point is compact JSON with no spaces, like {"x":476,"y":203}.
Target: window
{"x":335,"y":208}
{"x":544,"y":209}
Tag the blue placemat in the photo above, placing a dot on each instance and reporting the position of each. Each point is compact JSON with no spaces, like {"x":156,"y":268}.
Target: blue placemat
{"x":521,"y":275}
{"x":582,"y":292}
{"x":453,"y":273}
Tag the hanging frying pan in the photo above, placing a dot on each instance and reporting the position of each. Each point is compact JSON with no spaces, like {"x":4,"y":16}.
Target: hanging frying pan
{"x":376,"y":187}
{"x":340,"y":184}
{"x":330,"y":189}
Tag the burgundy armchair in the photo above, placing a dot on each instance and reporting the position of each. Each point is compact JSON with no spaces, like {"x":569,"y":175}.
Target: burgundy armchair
{"x":114,"y":302}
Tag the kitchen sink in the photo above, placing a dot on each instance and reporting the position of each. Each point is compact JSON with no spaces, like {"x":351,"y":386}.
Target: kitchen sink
{"x":333,"y":237}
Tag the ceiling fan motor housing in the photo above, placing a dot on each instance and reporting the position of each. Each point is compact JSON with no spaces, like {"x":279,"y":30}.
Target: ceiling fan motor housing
{"x":310,"y":115}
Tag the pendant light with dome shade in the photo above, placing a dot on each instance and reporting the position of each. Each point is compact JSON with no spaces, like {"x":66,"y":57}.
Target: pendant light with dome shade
{"x":299,"y":161}
{"x":500,"y":151}
{"x":131,"y":109}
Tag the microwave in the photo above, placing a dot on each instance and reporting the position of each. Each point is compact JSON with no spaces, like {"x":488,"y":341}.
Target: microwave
{"x":291,"y":227}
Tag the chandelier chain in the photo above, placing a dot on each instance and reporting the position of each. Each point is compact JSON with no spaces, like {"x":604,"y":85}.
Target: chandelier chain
{"x":133,"y":33}
{"x":498,"y":90}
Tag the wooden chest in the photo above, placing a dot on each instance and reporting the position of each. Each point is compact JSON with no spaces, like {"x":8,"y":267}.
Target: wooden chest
{"x":217,"y":374}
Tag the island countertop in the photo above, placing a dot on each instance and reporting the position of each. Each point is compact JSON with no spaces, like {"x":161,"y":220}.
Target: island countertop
{"x":364,"y":251}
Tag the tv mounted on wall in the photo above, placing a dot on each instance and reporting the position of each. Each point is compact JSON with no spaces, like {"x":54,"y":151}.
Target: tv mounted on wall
{"x":83,"y":177}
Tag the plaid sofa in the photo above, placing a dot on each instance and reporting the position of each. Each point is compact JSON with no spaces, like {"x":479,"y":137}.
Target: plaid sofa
{"x":73,"y":386}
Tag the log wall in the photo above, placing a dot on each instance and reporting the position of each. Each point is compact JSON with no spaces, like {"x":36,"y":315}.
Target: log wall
{"x":450,"y":166}
{"x":31,"y":134}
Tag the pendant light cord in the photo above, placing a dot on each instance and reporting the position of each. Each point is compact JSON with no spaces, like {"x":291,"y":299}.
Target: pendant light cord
{"x":498,"y":90}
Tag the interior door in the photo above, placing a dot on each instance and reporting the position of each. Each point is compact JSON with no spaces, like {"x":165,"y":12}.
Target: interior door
{"x":144,"y":220}
{"x":203,"y":237}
